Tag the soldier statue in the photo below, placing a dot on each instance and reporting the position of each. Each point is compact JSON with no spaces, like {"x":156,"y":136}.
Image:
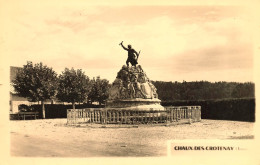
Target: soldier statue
{"x":132,"y":55}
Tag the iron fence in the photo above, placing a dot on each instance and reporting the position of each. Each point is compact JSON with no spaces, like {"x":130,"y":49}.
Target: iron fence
{"x":117,"y":116}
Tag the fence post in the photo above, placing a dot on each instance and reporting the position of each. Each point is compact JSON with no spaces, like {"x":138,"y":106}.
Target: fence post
{"x":117,"y":116}
{"x":99,"y":116}
{"x":199,"y":113}
{"x":105,"y":116}
{"x":178,"y":114}
{"x":192,"y":114}
{"x":68,"y":116}
{"x":138,"y":117}
{"x":109,"y":116}
{"x":95,"y":116}
{"x":153,"y":116}
{"x":81,"y":115}
{"x":142,"y":116}
{"x":134,"y":119}
{"x":172,"y":110}
{"x":92,"y":116}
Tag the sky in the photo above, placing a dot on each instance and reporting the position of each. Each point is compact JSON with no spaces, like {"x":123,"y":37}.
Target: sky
{"x":177,"y":43}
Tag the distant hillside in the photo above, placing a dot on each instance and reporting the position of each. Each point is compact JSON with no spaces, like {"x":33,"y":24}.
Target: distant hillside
{"x":203,"y":90}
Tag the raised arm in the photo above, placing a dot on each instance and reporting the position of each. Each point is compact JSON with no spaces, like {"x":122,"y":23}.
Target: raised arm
{"x":123,"y":46}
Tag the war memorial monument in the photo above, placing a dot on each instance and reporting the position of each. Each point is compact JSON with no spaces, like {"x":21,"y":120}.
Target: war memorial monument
{"x":133,"y":99}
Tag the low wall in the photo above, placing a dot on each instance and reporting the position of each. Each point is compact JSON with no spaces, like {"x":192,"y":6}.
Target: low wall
{"x":117,"y":116}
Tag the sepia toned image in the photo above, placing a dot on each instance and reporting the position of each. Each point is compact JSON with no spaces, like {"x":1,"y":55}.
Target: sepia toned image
{"x":89,"y":80}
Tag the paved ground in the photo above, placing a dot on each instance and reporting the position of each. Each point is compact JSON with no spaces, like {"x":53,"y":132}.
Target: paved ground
{"x":52,"y":138}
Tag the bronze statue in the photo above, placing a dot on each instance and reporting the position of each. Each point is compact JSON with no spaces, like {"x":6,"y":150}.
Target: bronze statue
{"x":132,"y":55}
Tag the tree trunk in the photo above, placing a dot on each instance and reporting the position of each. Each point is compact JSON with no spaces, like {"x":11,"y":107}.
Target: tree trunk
{"x":73,"y":105}
{"x":43,"y":110}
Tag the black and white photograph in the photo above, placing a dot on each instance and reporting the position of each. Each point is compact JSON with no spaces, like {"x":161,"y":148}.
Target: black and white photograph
{"x":156,"y":81}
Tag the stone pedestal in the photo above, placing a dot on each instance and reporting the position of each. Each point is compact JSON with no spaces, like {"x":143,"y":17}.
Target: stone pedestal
{"x":132,"y":90}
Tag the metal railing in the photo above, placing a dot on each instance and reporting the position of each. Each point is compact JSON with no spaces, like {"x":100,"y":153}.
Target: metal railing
{"x":117,"y":116}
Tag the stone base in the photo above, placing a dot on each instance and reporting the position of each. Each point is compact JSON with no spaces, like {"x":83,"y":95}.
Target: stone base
{"x":136,"y":104}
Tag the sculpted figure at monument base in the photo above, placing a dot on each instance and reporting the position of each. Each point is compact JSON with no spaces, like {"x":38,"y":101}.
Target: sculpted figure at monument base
{"x":132,"y":89}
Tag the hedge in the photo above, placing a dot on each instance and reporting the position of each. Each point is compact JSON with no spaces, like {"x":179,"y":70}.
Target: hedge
{"x":226,"y":109}
{"x":60,"y":110}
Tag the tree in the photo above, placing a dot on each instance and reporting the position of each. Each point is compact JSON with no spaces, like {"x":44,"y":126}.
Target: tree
{"x":37,"y":83}
{"x":243,"y":90}
{"x":203,"y":90}
{"x":99,"y":90}
{"x":73,"y":87}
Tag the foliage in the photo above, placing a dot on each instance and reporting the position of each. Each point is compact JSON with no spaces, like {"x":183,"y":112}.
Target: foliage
{"x":99,"y":90}
{"x":203,"y":90}
{"x":219,"y":100}
{"x":37,"y":83}
{"x":74,"y":86}
{"x":24,"y":108}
